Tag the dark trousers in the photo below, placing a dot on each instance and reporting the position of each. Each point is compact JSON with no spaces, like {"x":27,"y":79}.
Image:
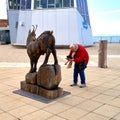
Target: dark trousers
{"x":81,"y":74}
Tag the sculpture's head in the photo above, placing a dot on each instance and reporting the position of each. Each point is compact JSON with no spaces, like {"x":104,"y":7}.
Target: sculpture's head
{"x":32,"y":34}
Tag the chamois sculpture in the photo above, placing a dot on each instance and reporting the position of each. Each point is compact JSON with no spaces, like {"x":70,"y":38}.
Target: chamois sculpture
{"x":44,"y":44}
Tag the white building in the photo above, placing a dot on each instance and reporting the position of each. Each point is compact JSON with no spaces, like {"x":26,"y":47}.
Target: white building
{"x":4,"y":28}
{"x":69,"y":20}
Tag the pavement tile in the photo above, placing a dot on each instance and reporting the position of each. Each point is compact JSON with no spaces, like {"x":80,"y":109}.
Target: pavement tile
{"x":56,"y":118}
{"x":6,"y":116}
{"x":98,"y":89}
{"x":94,"y":116}
{"x":108,"y":111}
{"x":117,"y":87}
{"x":12,"y":105}
{"x":1,"y":111}
{"x":22,"y":111}
{"x":112,"y":92}
{"x":109,"y":85}
{"x":117,"y":117}
{"x":56,"y":108}
{"x":71,"y":100}
{"x":73,"y":113}
{"x":115,"y":102}
{"x":89,"y":105}
{"x":88,"y":94}
{"x":74,"y":90}
{"x":103,"y":98}
{"x":6,"y":99}
{"x":37,"y":115}
{"x":38,"y":104}
{"x":4,"y":87}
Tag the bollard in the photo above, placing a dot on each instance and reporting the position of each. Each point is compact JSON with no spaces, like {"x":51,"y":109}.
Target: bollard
{"x":102,"y":55}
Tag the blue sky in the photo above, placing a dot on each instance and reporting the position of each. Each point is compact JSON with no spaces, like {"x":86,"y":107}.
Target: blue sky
{"x":104,"y":16}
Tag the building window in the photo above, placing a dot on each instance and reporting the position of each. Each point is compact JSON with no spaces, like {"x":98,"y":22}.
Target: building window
{"x":51,"y":3}
{"x":83,"y":10}
{"x":28,"y":4}
{"x":66,"y":3}
{"x":40,"y":4}
{"x":22,"y":4}
{"x":10,"y":4}
{"x":19,"y":4}
{"x":25,"y":4}
{"x":72,"y":3}
{"x":44,"y":3}
{"x":58,"y":3}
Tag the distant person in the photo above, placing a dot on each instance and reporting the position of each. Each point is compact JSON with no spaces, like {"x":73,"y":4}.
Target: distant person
{"x":80,"y":56}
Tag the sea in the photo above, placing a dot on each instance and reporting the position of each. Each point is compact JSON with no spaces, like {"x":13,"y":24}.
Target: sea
{"x":110,"y":39}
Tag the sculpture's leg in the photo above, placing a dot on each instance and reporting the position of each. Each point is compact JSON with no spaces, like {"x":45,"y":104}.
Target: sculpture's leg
{"x":55,"y":57}
{"x":35,"y":65}
{"x":31,"y":69}
{"x":47,"y":56}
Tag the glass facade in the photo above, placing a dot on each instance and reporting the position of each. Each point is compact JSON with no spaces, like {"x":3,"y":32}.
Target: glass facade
{"x":42,"y":4}
{"x":46,"y":4}
{"x":19,"y":4}
{"x":83,"y":9}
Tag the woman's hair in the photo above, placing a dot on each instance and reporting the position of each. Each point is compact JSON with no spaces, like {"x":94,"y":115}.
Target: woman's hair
{"x":74,"y":46}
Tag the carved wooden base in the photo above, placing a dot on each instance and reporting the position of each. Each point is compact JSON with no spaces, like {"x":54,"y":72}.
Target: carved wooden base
{"x":45,"y":82}
{"x":51,"y":94}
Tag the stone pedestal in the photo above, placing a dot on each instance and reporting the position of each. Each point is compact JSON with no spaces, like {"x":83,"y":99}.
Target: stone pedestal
{"x":45,"y":82}
{"x":51,"y":94}
{"x":49,"y":76}
{"x":31,"y":78}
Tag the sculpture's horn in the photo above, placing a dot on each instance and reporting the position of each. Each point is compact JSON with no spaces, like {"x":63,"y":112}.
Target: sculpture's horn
{"x":33,"y":27}
{"x":36,"y":27}
{"x":51,"y":32}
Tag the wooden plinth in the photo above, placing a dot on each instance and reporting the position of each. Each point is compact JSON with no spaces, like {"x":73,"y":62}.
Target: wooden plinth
{"x":51,"y":94}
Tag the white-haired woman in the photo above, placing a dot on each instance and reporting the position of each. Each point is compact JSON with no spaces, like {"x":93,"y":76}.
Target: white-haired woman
{"x":80,"y":56}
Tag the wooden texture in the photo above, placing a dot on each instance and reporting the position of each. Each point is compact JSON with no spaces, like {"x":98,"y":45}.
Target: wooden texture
{"x":102,"y":56}
{"x":49,"y":76}
{"x":51,"y":94}
{"x":31,"y":78}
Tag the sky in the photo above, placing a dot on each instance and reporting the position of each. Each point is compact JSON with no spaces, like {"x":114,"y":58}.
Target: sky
{"x":3,"y":11}
{"x":104,"y":16}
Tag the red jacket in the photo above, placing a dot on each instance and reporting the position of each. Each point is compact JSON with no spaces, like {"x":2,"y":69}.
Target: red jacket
{"x":80,"y":55}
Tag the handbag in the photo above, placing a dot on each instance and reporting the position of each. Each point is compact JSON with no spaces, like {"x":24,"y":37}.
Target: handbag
{"x":80,"y":65}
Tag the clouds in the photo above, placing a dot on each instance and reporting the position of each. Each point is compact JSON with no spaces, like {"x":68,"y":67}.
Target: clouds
{"x":112,"y":12}
{"x":3,"y":10}
{"x":104,"y":17}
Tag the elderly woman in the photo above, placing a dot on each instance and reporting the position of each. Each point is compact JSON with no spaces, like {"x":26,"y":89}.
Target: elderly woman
{"x":80,"y":56}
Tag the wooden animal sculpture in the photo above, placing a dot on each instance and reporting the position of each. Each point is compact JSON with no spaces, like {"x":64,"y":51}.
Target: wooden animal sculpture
{"x":47,"y":45}
{"x":44,"y":44}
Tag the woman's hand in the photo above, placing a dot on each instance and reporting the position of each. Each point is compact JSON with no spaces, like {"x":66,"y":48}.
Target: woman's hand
{"x":70,"y":59}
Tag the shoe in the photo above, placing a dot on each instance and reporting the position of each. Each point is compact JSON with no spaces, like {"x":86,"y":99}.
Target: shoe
{"x":82,"y":85}
{"x":74,"y":84}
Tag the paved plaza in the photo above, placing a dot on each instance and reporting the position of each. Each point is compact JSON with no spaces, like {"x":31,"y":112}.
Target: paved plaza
{"x":100,"y":100}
